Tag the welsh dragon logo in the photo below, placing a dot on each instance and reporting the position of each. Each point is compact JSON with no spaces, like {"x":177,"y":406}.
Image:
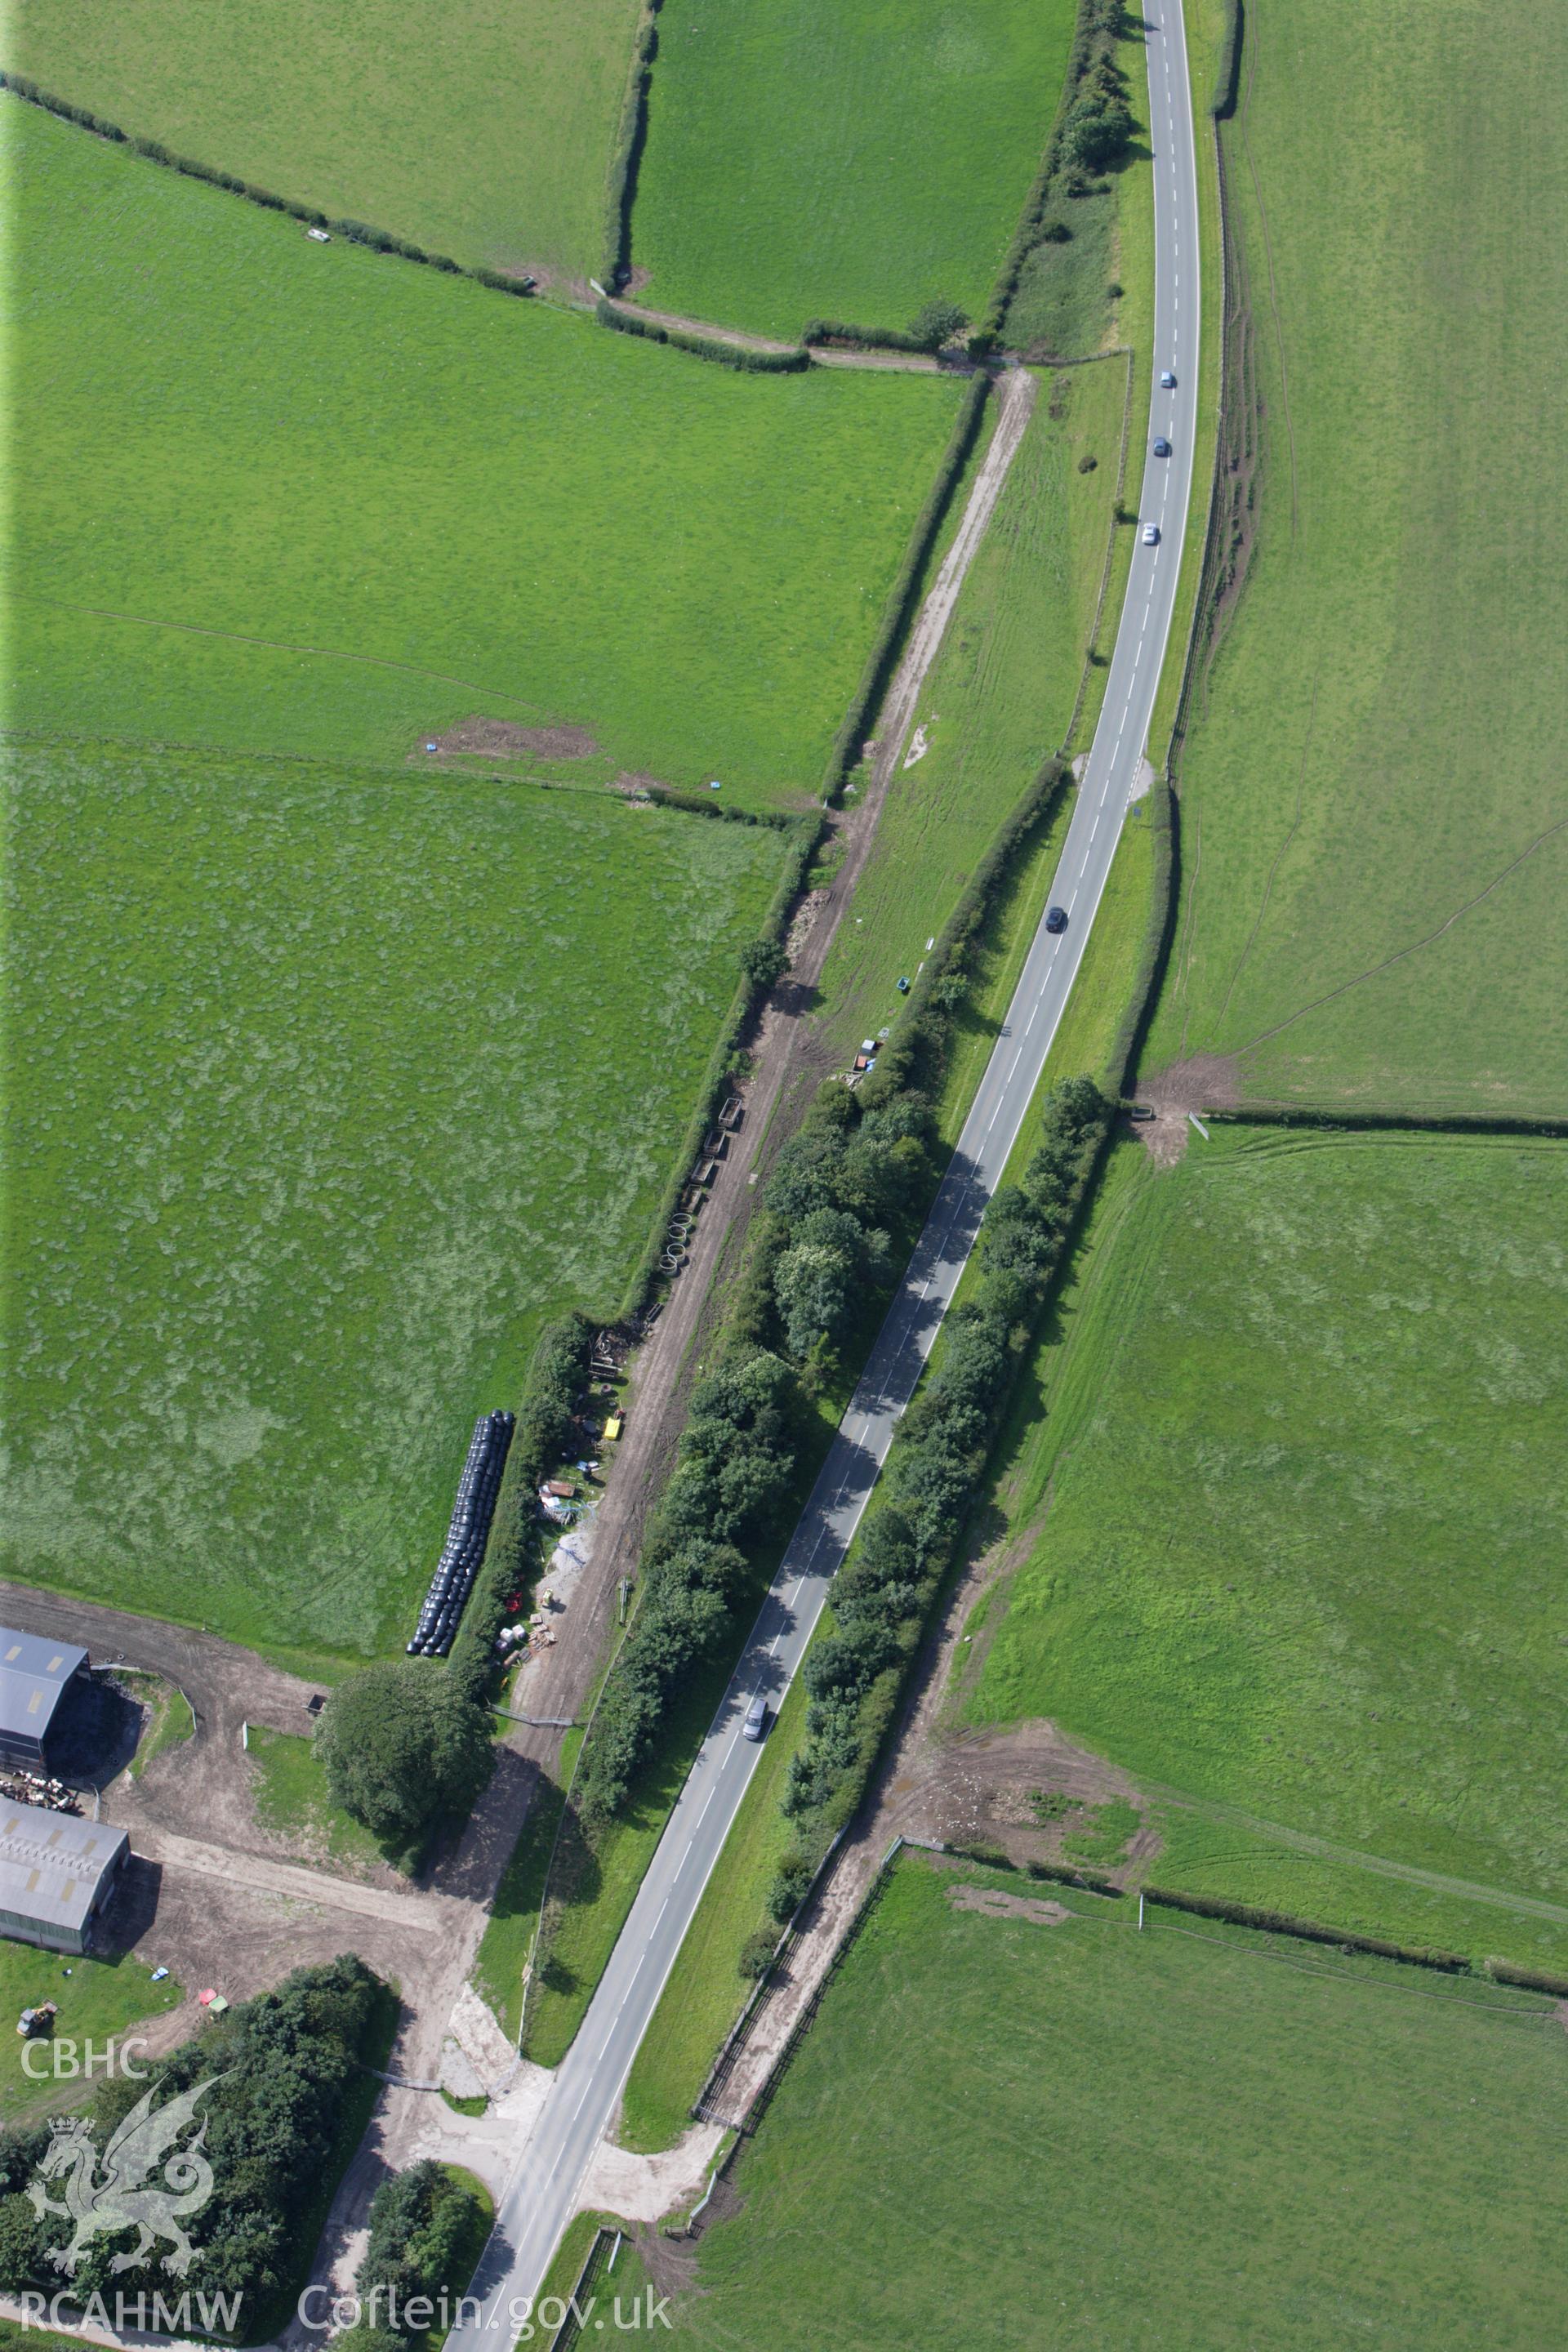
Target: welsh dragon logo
{"x":119,"y":2197}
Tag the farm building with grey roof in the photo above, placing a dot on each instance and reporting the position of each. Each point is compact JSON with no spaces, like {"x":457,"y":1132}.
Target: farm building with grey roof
{"x":56,"y":1871}
{"x":34,"y":1675}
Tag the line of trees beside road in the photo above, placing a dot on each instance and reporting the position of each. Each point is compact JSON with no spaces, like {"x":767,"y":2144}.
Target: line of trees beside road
{"x":840,"y":1210}
{"x":883,"y":1595}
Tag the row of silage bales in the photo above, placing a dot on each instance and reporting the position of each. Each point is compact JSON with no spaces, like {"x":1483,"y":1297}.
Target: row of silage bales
{"x":466,"y":1538}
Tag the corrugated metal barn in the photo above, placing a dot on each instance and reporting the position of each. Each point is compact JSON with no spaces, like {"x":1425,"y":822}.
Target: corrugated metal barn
{"x":56,"y":1871}
{"x":34,"y":1675}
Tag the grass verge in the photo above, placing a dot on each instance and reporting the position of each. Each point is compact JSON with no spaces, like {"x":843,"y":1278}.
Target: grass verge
{"x":707,"y":1989}
{"x":507,"y":1943}
{"x":997,"y":702}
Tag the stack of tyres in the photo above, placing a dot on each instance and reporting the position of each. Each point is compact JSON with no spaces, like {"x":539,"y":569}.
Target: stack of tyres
{"x":466,"y":1538}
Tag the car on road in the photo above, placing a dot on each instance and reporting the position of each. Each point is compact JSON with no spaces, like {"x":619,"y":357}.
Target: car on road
{"x":1167,"y":379}
{"x":1162,"y":447}
{"x":1151,"y":534}
{"x":1057,"y":920}
{"x":756,"y":1722}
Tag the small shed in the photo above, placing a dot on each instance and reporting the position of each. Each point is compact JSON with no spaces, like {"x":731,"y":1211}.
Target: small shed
{"x":34,"y":1675}
{"x":56,"y":1871}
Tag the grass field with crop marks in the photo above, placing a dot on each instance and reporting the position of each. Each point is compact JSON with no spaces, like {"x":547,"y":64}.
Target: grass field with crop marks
{"x":848,"y":161}
{"x":997,"y":701}
{"x":479,"y":131}
{"x":1376,"y":836}
{"x":325,"y":1091}
{"x":1076,"y":2136}
{"x":281,"y":496}
{"x":1295,"y":1493}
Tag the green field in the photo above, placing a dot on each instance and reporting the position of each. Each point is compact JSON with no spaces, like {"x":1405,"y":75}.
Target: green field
{"x":95,"y":1998}
{"x":1376,"y":850}
{"x":324,"y":1091}
{"x":1009,"y":2133}
{"x":1292,"y":1498}
{"x":292,"y":1800}
{"x":479,"y":132}
{"x":843,"y":161}
{"x":997,"y":701}
{"x":289,"y":498}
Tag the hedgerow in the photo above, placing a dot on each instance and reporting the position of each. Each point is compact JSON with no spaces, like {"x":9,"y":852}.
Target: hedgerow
{"x":807,"y":834}
{"x":1283,"y":1923}
{"x":627,"y":156}
{"x":818,"y":332}
{"x":704,"y":347}
{"x":847,"y":743}
{"x":1227,"y":71}
{"x":354,"y":231}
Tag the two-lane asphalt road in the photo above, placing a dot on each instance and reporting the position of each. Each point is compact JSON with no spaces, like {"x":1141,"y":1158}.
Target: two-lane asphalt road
{"x":543,"y":2192}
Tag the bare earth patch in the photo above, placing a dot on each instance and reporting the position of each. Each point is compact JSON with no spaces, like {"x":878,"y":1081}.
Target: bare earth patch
{"x":1204,"y":1082}
{"x":503,"y":739}
{"x":997,"y":1904}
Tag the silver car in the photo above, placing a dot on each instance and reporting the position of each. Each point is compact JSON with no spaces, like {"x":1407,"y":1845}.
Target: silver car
{"x":756,"y":1722}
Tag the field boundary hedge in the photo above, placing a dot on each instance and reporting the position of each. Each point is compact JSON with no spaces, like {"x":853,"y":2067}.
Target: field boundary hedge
{"x":626,"y":161}
{"x":1159,"y":935}
{"x":1408,"y":1121}
{"x":1307,"y":1931}
{"x":153,"y":150}
{"x":1203,"y":602}
{"x":740,"y":356}
{"x":837,"y":333}
{"x":744,"y":1007}
{"x":1528,"y":1979}
{"x":879,"y":662}
{"x":1058,"y":1874}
